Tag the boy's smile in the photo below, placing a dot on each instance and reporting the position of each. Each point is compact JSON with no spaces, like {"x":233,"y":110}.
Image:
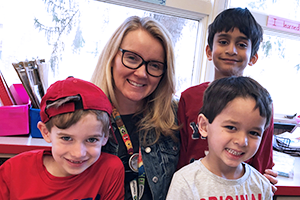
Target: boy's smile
{"x":233,"y":137}
{"x":76,"y":148}
{"x":231,"y":53}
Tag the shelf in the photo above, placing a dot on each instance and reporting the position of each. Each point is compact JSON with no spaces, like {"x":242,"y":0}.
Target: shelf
{"x":11,"y":145}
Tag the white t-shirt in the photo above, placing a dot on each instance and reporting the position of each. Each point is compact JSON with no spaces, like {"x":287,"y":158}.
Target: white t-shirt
{"x":195,"y":181}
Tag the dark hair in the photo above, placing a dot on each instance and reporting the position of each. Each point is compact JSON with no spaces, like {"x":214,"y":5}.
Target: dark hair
{"x":237,"y":18}
{"x":221,"y":91}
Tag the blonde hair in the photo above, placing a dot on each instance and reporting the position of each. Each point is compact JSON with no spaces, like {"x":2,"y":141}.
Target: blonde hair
{"x":159,"y":109}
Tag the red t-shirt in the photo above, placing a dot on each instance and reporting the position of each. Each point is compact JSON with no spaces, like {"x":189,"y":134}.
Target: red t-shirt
{"x":193,"y":147}
{"x":25,"y":177}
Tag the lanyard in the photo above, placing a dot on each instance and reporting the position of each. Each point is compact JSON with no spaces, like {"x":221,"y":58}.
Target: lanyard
{"x":135,"y":185}
{"x":123,"y":131}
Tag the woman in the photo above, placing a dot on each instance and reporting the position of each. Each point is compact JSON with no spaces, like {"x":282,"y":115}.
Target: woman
{"x":136,"y":71}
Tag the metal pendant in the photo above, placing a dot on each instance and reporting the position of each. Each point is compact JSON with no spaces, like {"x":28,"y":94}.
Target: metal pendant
{"x":133,"y":162}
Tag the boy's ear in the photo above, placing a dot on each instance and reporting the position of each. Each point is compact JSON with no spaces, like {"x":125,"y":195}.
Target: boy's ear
{"x":105,"y":139}
{"x":45,"y":133}
{"x":208,"y":53}
{"x":253,"y":60}
{"x":202,"y":125}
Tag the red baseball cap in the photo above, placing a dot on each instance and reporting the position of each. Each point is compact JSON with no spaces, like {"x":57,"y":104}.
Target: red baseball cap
{"x":91,"y":97}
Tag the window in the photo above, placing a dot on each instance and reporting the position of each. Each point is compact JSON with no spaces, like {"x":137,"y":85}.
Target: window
{"x":281,"y":8}
{"x":278,"y":66}
{"x":84,"y":28}
{"x":79,"y":45}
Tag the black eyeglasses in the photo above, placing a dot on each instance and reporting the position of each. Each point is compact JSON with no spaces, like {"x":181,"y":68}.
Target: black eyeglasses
{"x":132,"y":60}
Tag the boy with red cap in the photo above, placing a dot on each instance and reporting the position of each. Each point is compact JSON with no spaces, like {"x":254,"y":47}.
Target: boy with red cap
{"x":75,"y":118}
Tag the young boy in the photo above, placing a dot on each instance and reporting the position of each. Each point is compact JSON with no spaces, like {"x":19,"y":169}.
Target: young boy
{"x":233,"y":41}
{"x":235,"y":113}
{"x":75,"y":118}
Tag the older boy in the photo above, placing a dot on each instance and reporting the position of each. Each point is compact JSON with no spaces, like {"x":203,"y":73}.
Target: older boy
{"x":233,"y":41}
{"x":235,"y":113}
{"x":75,"y":118}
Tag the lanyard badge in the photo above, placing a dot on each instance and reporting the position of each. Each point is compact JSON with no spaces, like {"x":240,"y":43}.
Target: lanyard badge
{"x":135,"y":161}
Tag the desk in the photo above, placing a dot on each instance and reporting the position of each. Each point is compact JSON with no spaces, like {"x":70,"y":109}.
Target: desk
{"x":12,"y":145}
{"x":289,"y":188}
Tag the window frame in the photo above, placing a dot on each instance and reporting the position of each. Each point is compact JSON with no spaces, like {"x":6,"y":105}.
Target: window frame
{"x":262,"y":19}
{"x":203,"y":70}
{"x":199,"y":10}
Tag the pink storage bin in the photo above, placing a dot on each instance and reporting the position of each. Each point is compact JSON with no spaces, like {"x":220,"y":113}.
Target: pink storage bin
{"x":19,"y":93}
{"x":14,"y":120}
